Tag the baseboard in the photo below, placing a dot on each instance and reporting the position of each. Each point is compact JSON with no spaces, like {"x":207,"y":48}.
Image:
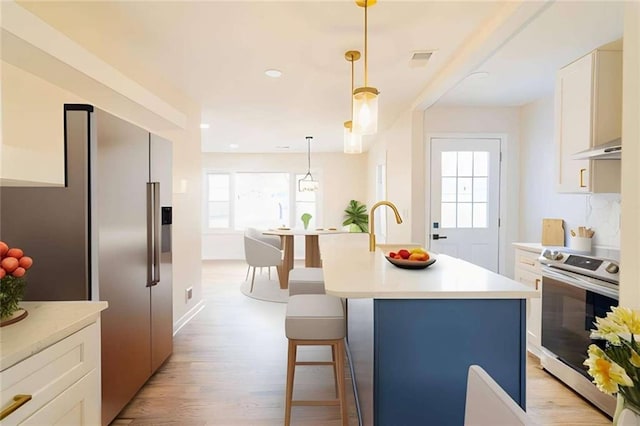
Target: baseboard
{"x":187,"y":317}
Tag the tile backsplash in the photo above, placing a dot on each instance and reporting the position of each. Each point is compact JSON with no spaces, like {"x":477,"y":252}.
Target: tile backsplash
{"x":603,"y":215}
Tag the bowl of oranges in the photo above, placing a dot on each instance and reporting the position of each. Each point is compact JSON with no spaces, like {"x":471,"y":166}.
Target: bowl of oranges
{"x":415,"y":258}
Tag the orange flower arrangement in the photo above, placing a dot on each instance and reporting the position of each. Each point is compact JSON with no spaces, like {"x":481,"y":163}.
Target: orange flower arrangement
{"x":13,"y":268}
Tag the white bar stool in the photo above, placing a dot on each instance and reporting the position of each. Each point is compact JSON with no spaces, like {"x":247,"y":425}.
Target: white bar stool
{"x":306,"y":281}
{"x":316,"y":320}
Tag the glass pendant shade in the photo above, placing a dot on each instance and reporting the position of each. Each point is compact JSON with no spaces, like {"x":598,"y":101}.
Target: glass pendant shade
{"x":365,"y":111}
{"x":307,"y":183}
{"x":352,"y":141}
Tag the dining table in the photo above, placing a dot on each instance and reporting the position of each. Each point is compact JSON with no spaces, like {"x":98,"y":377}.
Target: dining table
{"x":312,"y":257}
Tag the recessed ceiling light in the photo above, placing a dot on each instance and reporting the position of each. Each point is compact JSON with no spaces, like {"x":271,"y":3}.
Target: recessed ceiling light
{"x":204,"y":125}
{"x":478,"y":75}
{"x":234,"y":146}
{"x":273,"y":73}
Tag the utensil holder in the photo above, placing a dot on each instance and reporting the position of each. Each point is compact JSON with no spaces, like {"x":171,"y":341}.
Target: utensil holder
{"x":582,"y":244}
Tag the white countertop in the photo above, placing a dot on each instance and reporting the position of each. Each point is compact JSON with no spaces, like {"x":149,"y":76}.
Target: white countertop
{"x":46,"y":324}
{"x":351,"y":271}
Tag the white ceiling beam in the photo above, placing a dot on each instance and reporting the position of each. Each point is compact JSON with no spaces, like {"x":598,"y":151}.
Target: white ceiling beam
{"x":513,"y":17}
{"x":24,"y":31}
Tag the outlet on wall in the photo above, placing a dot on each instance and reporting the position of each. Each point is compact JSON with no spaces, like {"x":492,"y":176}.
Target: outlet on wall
{"x":188,"y":294}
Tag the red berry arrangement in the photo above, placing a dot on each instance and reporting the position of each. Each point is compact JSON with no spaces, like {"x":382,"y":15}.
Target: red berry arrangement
{"x":13,"y":268}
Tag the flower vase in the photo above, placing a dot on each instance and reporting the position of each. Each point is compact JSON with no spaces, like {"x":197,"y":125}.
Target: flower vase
{"x":627,"y":414}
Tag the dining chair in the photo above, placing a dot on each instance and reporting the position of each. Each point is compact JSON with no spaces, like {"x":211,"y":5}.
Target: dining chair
{"x":259,"y":254}
{"x":273,"y":240}
{"x":487,"y":404}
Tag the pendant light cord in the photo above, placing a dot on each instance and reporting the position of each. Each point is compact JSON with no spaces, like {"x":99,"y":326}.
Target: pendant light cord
{"x":352,"y":88}
{"x":365,"y":42}
{"x":309,"y":156}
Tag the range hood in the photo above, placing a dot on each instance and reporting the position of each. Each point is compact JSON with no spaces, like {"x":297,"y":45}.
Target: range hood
{"x":608,"y":151}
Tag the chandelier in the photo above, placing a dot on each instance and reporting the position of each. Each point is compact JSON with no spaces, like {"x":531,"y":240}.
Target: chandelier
{"x":352,"y":140}
{"x":365,"y":99}
{"x":307,"y":183}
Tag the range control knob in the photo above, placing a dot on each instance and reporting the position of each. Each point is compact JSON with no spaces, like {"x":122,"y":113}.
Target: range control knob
{"x":612,"y":268}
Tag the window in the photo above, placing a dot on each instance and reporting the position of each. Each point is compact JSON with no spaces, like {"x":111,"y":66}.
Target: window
{"x":464,"y":200}
{"x":305,"y":203}
{"x":262,"y":200}
{"x":219,"y":196}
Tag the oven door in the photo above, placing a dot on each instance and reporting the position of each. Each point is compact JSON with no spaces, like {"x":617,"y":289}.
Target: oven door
{"x":570,"y":303}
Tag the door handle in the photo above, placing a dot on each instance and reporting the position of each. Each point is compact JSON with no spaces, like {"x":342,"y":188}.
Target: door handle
{"x":439,"y":237}
{"x":153,"y":233}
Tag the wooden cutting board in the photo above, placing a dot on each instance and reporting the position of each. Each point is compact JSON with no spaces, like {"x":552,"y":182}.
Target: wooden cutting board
{"x":553,"y":232}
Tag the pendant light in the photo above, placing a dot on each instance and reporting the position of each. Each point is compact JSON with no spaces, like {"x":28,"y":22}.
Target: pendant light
{"x":352,"y":140}
{"x":307,"y":183}
{"x":365,"y":99}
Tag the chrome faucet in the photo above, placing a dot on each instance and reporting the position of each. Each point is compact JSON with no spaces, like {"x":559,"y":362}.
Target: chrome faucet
{"x":372,"y":235}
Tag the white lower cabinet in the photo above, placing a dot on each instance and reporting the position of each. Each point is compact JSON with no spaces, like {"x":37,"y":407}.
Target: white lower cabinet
{"x":527,"y":271}
{"x":63,"y":381}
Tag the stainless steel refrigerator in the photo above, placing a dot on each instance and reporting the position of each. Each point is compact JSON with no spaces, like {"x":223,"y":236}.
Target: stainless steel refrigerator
{"x":105,"y":235}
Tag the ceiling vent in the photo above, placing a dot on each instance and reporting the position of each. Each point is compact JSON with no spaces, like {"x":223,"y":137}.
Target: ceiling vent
{"x":420,"y":58}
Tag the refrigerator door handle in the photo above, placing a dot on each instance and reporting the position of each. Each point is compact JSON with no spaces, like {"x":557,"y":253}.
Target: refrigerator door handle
{"x":153,"y":233}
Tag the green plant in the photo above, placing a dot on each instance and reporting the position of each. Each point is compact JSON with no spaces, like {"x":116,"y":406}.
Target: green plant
{"x":306,"y":217}
{"x":356,"y":216}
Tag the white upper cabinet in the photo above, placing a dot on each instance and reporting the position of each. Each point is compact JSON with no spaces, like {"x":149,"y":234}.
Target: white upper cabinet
{"x":588,"y":112}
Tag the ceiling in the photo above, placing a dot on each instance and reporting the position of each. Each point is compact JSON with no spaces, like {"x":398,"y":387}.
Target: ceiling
{"x":217,"y":52}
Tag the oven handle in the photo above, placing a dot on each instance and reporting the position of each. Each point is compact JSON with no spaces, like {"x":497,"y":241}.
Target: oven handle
{"x":578,"y":282}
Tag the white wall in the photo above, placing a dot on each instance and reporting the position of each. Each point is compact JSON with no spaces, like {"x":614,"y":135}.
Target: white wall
{"x":538,"y":196}
{"x":469,"y":121}
{"x":393,"y":148}
{"x":342,"y":177}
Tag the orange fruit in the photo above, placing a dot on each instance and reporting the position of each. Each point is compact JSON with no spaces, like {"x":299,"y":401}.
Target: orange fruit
{"x":25,"y":262}
{"x":9,"y":264}
{"x":2,"y":273}
{"x":18,"y":272}
{"x":15,"y":252}
{"x":4,"y":248}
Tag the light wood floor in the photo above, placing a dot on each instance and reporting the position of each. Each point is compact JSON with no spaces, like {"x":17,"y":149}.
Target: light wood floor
{"x":229,"y":367}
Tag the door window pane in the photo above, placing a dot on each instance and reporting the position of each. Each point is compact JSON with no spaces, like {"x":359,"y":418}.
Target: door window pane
{"x":479,"y":215}
{"x":464,"y":190}
{"x":448,"y":215}
{"x":465,"y":163}
{"x":481,"y":163}
{"x":480,"y":189}
{"x":448,"y":189}
{"x":449,"y":163}
{"x":464,"y":215}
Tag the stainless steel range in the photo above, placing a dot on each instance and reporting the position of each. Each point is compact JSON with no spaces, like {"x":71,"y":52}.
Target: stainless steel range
{"x":575,"y":290}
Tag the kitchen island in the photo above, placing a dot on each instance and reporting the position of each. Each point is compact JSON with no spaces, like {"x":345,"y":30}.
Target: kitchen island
{"x":412,"y":334}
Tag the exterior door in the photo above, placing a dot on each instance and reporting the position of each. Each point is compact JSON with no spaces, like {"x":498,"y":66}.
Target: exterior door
{"x":465,"y":193}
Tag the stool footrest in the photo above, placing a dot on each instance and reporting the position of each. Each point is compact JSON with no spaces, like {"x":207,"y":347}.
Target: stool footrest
{"x":316,"y":403}
{"x":315,"y":363}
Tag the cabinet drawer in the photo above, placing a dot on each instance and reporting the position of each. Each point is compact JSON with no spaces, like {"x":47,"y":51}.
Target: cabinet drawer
{"x":527,"y":261}
{"x":76,"y":406}
{"x":49,"y":372}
